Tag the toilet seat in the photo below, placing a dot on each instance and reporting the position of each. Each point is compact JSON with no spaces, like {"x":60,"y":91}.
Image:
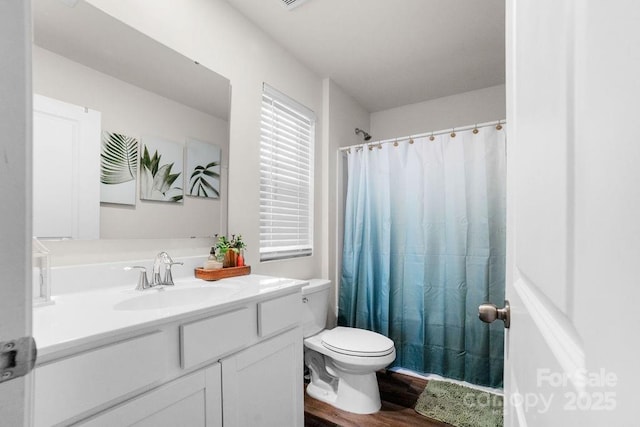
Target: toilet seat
{"x":357,"y":342}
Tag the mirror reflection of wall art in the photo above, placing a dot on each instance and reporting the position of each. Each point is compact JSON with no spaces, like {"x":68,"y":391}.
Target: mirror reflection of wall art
{"x":203,"y":169}
{"x":161,"y":165}
{"x":118,"y":168}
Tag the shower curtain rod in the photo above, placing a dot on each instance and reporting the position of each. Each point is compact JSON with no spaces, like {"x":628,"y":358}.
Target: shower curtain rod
{"x":421,"y":135}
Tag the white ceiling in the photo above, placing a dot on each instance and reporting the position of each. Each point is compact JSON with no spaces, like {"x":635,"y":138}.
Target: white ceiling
{"x":388,"y":53}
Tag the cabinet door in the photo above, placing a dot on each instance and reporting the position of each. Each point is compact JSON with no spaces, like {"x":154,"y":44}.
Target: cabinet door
{"x":262,"y":385}
{"x":191,"y":401}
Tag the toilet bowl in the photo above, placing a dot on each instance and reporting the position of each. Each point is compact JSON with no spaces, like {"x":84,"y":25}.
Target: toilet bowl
{"x":342,"y":361}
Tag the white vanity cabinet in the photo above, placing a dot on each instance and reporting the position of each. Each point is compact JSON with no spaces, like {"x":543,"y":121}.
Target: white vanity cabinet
{"x":80,"y":382}
{"x":262,"y":385}
{"x":193,"y":400}
{"x":236,"y":365}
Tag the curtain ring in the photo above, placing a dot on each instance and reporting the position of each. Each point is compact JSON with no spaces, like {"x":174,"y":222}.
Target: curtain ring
{"x":395,"y":143}
{"x":453,"y":133}
{"x":410,"y":140}
{"x":431,"y":138}
{"x":379,"y":146}
{"x":370,"y":147}
{"x":475,"y":129}
{"x":498,"y":126}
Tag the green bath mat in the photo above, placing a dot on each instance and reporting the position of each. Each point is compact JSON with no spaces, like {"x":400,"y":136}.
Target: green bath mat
{"x":460,"y":406}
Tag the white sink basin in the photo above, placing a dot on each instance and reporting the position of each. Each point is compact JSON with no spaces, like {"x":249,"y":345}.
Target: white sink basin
{"x":153,"y":299}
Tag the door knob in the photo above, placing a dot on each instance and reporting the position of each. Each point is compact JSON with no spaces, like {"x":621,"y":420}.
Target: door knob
{"x":488,"y":312}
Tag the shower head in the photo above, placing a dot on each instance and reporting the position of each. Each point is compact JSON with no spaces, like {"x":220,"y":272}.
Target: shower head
{"x":365,"y":135}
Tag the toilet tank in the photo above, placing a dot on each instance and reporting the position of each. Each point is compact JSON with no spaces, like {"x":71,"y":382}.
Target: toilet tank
{"x":315,"y":297}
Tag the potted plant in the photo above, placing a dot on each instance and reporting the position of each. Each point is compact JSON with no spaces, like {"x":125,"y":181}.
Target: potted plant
{"x":225,"y":254}
{"x":230,"y":252}
{"x":239,"y":245}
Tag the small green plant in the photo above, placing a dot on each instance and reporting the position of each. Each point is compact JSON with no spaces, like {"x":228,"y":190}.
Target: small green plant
{"x":223,"y":245}
{"x":230,"y":251}
{"x":236,"y":244}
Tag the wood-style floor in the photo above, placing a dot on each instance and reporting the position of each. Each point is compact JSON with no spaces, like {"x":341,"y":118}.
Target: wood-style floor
{"x":399,"y":394}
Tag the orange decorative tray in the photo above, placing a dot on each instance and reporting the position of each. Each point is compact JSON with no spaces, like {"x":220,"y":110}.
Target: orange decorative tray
{"x":221,"y":273}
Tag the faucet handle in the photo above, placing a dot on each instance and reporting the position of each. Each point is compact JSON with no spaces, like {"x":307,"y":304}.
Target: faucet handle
{"x":162,"y":258}
{"x":168,"y":277}
{"x":143,"y":283}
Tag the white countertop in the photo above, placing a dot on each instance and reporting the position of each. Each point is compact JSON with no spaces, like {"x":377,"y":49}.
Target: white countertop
{"x":80,"y":318}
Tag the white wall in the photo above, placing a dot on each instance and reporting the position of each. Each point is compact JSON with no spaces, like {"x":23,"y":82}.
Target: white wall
{"x":342,"y":115}
{"x":468,"y":108}
{"x":136,"y":112}
{"x":218,"y":37}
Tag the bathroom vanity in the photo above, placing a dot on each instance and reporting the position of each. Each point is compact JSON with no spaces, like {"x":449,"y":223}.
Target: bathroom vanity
{"x":196,"y":354}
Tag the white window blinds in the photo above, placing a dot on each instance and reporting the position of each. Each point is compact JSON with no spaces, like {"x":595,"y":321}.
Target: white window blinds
{"x":287,"y":131}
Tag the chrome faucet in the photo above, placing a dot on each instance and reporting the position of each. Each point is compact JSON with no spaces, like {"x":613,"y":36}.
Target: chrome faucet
{"x":157,"y":279}
{"x":163,"y":258}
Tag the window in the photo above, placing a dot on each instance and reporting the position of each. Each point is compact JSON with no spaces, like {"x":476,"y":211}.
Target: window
{"x":287,"y":131}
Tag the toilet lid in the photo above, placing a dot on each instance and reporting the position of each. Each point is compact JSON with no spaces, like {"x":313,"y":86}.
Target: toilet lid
{"x":357,"y":342}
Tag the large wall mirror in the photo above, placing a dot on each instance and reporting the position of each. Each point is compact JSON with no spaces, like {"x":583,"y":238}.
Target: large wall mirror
{"x":143,"y":130}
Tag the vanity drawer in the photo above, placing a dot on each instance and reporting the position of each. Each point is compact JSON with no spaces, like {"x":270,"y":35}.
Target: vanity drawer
{"x":71,"y":386}
{"x":279,"y":313}
{"x":208,"y":339}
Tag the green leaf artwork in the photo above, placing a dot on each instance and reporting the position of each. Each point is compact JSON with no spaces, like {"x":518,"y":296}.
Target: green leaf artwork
{"x":118,"y":168}
{"x":156,"y":179}
{"x":118,"y":158}
{"x":204,"y":168}
{"x":199,"y":184}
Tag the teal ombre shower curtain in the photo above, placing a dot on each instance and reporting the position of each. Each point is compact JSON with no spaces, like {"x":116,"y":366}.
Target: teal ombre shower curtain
{"x":424,"y":245}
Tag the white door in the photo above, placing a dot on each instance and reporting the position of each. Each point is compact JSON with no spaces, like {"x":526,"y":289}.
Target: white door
{"x":66,"y":170}
{"x":15,"y":192}
{"x":573,"y":281}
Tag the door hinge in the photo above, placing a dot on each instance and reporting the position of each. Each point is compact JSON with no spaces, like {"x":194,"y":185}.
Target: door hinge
{"x":17,"y":358}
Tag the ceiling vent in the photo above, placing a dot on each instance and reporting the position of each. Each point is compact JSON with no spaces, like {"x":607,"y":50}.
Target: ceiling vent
{"x":292,"y":4}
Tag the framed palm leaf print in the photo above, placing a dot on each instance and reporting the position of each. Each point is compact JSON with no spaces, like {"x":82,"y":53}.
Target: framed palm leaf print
{"x":161,"y":167}
{"x":118,"y":168}
{"x":203,"y":169}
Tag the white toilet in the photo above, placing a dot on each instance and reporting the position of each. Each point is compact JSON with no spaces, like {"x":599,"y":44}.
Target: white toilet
{"x":342,"y":361}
